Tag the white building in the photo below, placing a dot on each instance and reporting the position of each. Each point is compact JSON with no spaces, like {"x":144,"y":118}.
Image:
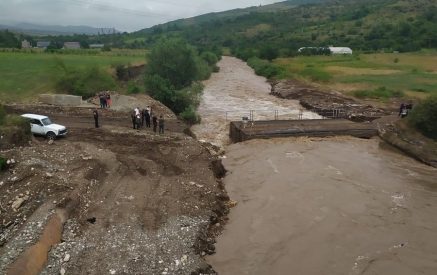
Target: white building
{"x":340,"y":50}
{"x":71,"y":45}
{"x":25,"y":44}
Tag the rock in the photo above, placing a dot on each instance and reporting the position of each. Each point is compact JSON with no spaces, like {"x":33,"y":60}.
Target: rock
{"x":112,"y":271}
{"x":86,"y":157}
{"x":50,"y":142}
{"x":18,"y":202}
{"x":49,"y":175}
{"x":67,"y":257}
{"x":62,"y":271}
{"x":231,"y":203}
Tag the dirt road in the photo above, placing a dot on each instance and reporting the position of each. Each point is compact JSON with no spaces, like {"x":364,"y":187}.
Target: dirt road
{"x":134,"y":202}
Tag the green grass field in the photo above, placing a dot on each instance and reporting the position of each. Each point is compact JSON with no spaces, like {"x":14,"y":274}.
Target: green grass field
{"x":23,"y":75}
{"x":408,"y":74}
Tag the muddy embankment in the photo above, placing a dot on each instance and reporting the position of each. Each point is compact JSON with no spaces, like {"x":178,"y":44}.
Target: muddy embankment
{"x":327,"y":104}
{"x":332,"y":104}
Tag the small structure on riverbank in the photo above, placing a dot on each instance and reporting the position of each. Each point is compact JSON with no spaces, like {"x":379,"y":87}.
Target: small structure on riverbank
{"x":245,"y":130}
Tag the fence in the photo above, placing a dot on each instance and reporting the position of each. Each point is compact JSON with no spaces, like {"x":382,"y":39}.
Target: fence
{"x":253,"y":115}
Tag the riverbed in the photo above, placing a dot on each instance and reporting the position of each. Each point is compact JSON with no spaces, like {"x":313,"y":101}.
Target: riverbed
{"x":337,"y":205}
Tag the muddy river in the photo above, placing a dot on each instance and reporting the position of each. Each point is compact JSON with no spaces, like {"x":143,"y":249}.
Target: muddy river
{"x":315,"y":206}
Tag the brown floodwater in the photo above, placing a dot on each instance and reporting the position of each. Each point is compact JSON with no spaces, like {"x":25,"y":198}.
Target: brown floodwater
{"x":314,"y":206}
{"x":327,"y":206}
{"x":236,"y":92}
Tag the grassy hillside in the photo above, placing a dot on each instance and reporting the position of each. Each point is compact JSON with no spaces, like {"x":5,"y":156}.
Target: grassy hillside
{"x":370,"y":25}
{"x":25,"y":75}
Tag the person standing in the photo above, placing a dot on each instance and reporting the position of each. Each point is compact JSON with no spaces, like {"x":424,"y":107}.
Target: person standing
{"x":155,"y":123}
{"x":108,"y":100}
{"x":401,"y":108}
{"x":101,"y":101}
{"x":147,"y":117}
{"x":96,"y":118}
{"x":132,"y":116}
{"x":142,"y":117}
{"x":161,"y":124}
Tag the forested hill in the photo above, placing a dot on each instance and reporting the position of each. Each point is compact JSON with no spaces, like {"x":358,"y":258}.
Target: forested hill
{"x":368,"y":25}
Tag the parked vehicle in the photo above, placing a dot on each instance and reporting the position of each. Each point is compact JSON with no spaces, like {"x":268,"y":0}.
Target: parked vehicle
{"x":42,"y":125}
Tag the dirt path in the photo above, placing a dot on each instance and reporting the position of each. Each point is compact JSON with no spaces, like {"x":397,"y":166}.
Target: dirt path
{"x":144,"y":201}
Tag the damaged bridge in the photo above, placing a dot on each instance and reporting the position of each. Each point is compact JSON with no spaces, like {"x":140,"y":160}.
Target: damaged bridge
{"x":246,"y":129}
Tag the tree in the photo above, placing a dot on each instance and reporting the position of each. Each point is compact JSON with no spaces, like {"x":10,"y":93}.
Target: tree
{"x":174,"y":60}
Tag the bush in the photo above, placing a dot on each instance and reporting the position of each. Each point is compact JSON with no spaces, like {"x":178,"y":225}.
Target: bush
{"x":190,"y":116}
{"x":379,"y":93}
{"x":424,"y":116}
{"x":263,"y":67}
{"x":122,"y":72}
{"x":209,"y":57}
{"x":85,"y":82}
{"x":132,"y":88}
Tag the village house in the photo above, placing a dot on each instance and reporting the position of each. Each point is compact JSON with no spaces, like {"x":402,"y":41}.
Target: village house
{"x":71,"y":45}
{"x":96,"y":46}
{"x":25,"y":44}
{"x":340,"y":50}
{"x":42,"y":44}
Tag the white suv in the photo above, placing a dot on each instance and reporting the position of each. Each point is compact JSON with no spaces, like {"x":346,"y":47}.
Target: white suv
{"x":42,"y":125}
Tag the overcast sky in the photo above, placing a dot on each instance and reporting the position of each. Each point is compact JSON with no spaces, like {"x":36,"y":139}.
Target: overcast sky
{"x":124,"y":15}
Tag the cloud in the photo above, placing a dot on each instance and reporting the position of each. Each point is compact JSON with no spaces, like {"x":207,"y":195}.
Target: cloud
{"x":126,"y":15}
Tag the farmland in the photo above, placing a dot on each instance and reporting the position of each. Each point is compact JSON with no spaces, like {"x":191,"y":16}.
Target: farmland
{"x":378,"y":75}
{"x":24,"y":75}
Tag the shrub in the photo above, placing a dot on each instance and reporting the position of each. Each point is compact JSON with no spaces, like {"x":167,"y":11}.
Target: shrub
{"x":132,"y":88}
{"x":190,"y":116}
{"x":85,"y":82}
{"x":209,"y":57}
{"x":424,"y":116}
{"x":122,"y":72}
{"x":263,"y":67}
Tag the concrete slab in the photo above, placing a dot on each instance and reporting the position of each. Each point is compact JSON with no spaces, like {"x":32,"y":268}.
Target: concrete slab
{"x":240,"y":131}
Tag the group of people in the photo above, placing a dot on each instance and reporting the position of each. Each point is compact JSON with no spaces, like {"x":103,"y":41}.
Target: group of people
{"x":139,"y":117}
{"x":105,"y":100}
{"x":404,"y":109}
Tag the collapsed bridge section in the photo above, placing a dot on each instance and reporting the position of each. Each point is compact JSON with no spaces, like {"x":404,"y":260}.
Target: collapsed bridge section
{"x":245,"y":130}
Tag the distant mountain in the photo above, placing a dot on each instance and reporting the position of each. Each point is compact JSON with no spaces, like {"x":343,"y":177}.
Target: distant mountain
{"x":35,"y":29}
{"x":229,"y":14}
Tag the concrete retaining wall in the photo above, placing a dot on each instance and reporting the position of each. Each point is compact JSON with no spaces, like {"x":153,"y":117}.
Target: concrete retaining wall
{"x":61,"y":100}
